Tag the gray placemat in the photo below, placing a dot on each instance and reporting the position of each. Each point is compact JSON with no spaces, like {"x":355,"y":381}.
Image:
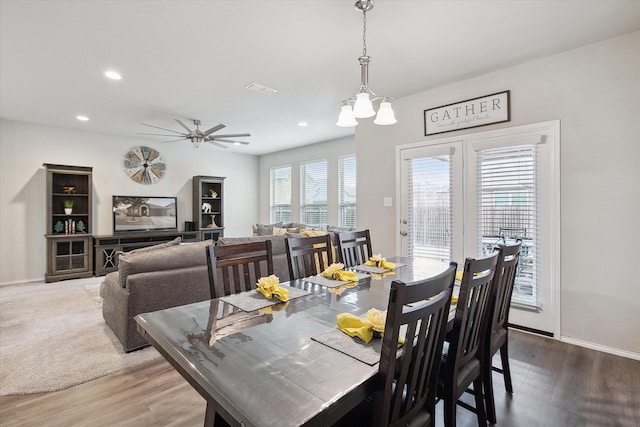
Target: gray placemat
{"x":254,"y":300}
{"x":354,"y":347}
{"x":374,"y":269}
{"x":331,"y":283}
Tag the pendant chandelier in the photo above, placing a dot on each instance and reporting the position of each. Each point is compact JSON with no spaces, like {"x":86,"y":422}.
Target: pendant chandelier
{"x":363,"y":100}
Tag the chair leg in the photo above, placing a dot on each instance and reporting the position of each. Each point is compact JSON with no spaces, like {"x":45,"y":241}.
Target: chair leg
{"x":504,"y":357}
{"x":487,"y":379}
{"x":450,"y":410}
{"x":477,"y":387}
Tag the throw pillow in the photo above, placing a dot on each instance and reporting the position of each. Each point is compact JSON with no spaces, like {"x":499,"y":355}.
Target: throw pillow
{"x":173,"y":242}
{"x":278,"y":231}
{"x":267,"y":229}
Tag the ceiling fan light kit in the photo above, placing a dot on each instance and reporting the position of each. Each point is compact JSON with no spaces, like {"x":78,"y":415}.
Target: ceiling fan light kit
{"x":363,"y":100}
{"x":197,"y":137}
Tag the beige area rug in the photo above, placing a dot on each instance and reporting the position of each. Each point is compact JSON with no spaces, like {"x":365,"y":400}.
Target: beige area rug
{"x":53,"y":336}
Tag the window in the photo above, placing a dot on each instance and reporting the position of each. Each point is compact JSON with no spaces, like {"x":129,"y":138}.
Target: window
{"x":313,"y":193}
{"x":281,"y":194}
{"x":347,"y":192}
{"x":506,"y":178}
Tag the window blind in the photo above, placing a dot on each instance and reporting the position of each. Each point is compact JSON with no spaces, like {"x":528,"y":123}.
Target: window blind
{"x":313,"y":193}
{"x":430,"y":207}
{"x":347,"y":192}
{"x":507,"y":209}
{"x":281,"y":194}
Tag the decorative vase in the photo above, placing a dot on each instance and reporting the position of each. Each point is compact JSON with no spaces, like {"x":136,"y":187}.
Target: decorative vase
{"x":67,"y":211}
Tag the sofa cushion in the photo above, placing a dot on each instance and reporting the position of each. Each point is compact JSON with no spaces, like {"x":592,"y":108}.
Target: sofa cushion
{"x":173,"y":242}
{"x":167,"y":258}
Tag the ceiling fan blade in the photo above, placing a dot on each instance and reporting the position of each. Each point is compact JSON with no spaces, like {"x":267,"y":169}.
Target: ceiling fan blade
{"x":231,"y":135}
{"x":155,"y":134}
{"x":183,"y":125}
{"x":216,"y":144}
{"x":231,"y":141}
{"x":213,"y":129}
{"x":158,"y":127}
{"x":175,"y":140}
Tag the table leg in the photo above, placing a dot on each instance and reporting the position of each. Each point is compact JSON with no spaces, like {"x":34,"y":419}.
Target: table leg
{"x":213,"y":418}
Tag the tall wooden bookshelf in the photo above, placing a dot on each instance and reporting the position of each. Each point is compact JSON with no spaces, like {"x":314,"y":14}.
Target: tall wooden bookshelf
{"x":208,"y":206}
{"x":68,"y":233}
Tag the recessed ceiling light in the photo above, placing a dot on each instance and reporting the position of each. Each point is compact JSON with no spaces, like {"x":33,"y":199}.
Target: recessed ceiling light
{"x":82,"y":118}
{"x":113,"y":75}
{"x":303,"y":124}
{"x":237,"y":143}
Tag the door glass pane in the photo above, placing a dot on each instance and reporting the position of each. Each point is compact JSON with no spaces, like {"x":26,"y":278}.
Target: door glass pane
{"x":429,"y":202}
{"x":507,"y":209}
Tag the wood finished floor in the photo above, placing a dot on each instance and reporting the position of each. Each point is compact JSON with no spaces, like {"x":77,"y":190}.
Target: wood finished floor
{"x":555,"y":384}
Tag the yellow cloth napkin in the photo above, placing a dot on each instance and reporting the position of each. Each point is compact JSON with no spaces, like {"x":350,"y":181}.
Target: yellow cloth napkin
{"x":335,"y":271}
{"x":377,"y":319}
{"x":355,"y":326}
{"x":269,"y":287}
{"x":454,"y":299}
{"x":365,"y":329}
{"x":459,"y":275}
{"x":380,"y":262}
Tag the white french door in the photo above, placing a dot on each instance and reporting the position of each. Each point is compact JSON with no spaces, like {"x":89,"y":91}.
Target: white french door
{"x":460,"y":196}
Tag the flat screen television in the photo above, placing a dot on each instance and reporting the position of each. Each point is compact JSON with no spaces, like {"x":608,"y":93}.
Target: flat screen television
{"x":144,"y":213}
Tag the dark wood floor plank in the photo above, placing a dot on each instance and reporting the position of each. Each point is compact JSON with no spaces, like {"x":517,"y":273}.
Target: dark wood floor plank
{"x":555,"y":384}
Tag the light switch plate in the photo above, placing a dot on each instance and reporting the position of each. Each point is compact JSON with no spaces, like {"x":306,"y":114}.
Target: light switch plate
{"x":387,"y":201}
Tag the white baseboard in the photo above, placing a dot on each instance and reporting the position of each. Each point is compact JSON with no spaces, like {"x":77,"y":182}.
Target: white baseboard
{"x":21,"y":281}
{"x":603,"y":348}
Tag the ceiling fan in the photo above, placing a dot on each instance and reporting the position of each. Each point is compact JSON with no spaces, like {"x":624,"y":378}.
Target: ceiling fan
{"x":197,"y":137}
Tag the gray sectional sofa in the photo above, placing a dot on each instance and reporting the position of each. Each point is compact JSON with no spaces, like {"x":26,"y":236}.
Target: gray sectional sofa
{"x":168,"y":275}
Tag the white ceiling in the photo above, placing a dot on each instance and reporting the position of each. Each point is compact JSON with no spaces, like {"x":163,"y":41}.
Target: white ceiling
{"x":193,"y":59}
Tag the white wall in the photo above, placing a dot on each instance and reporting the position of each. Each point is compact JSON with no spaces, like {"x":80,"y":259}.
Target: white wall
{"x":25,"y":147}
{"x":595,"y":92}
{"x":329,"y":150}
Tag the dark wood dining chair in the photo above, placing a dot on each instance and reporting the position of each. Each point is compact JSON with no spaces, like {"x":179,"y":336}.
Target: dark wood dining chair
{"x":497,"y":337}
{"x":407,"y":378}
{"x":462,"y":361}
{"x":354,"y":247}
{"x":308,"y":256}
{"x":237,"y":268}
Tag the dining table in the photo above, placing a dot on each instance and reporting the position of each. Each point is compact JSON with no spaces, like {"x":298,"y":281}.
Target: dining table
{"x":262,"y":363}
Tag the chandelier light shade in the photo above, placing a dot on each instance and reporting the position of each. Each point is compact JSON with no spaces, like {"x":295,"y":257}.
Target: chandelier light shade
{"x":360,"y":106}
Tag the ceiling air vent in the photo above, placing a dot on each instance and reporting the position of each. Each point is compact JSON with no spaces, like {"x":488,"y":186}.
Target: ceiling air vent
{"x":257,"y":87}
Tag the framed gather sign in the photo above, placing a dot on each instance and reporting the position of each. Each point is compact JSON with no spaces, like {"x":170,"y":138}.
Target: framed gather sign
{"x":481,"y":111}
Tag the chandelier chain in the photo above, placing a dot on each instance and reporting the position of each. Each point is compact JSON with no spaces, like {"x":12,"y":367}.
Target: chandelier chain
{"x":364,"y":33}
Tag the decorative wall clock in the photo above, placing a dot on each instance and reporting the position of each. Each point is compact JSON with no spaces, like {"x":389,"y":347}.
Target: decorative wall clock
{"x":144,"y":165}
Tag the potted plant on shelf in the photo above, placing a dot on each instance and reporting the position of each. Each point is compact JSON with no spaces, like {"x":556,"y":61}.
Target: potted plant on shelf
{"x":68,"y":207}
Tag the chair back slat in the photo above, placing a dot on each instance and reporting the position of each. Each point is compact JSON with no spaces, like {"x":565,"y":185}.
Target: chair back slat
{"x":408,"y":376}
{"x":354,"y":247}
{"x":308,"y":256}
{"x":503,"y":288}
{"x":237,"y":268}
